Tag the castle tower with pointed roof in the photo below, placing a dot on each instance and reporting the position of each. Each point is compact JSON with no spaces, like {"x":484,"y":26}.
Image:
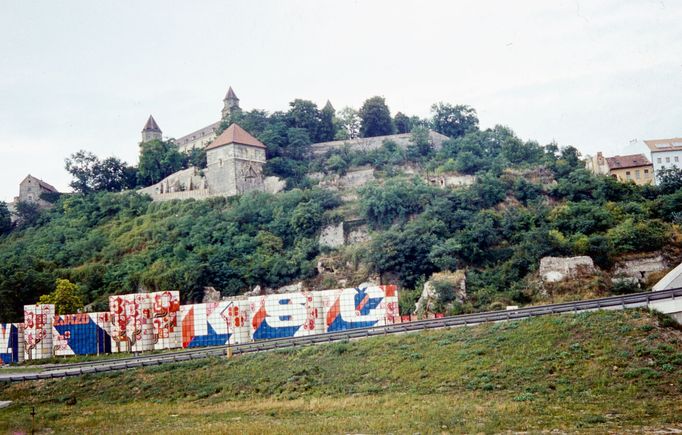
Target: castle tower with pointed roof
{"x":231,"y":103}
{"x":151,"y":130}
{"x":235,"y":162}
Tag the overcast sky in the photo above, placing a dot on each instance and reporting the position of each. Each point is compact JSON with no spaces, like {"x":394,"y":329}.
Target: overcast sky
{"x":86,"y":74}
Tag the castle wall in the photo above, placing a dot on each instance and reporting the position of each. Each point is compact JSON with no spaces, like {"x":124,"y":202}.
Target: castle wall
{"x":220,"y":171}
{"x":403,"y":140}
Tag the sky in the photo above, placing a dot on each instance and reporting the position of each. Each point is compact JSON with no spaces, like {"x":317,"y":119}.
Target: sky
{"x":86,"y":75}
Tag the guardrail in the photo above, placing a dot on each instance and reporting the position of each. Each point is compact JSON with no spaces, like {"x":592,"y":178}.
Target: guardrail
{"x":613,"y":302}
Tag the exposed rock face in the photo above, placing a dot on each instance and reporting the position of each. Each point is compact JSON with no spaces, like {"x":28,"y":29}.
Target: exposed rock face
{"x":210,"y":295}
{"x":354,"y":178}
{"x":344,"y":233}
{"x":555,"y":269}
{"x":640,"y":269}
{"x":431,"y":298}
{"x":332,"y":236}
{"x":451,"y":180}
{"x":274,"y":184}
{"x":359,"y":234}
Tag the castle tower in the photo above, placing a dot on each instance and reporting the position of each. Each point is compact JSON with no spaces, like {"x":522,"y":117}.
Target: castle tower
{"x":235,"y":162}
{"x":151,"y":130}
{"x":231,"y":103}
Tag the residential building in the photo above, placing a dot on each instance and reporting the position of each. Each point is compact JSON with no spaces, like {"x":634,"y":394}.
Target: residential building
{"x":634,"y":167}
{"x":665,"y":153}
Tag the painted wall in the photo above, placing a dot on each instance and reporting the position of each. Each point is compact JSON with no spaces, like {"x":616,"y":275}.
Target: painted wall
{"x":165,"y":307}
{"x":212,"y":324}
{"x":11,"y":343}
{"x":81,"y":334}
{"x":147,"y":321}
{"x":38,"y":331}
{"x":131,"y":324}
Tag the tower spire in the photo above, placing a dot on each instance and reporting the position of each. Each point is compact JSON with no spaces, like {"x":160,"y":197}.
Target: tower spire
{"x":231,"y":103}
{"x":151,"y":130}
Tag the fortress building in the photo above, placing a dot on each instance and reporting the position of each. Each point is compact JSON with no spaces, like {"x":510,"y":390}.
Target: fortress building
{"x":235,"y":162}
{"x":200,"y":138}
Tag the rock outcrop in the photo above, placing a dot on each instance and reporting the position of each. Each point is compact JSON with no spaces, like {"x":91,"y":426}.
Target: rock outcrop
{"x":441,"y":291}
{"x":555,"y":269}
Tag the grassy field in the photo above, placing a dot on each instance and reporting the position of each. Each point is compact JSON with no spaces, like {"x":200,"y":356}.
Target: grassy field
{"x":593,"y":372}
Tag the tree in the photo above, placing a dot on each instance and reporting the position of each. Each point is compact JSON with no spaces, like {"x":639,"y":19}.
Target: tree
{"x":299,"y":143}
{"x":65,"y":297}
{"x":669,"y":179}
{"x":454,"y":121}
{"x":420,"y":145}
{"x":305,"y":114}
{"x":349,"y":120}
{"x":327,"y":128}
{"x":402,"y":123}
{"x":27,"y":213}
{"x":113,"y":175}
{"x":5,"y":218}
{"x":375,"y":118}
{"x":92,"y":175}
{"x":158,"y":159}
{"x":81,"y":166}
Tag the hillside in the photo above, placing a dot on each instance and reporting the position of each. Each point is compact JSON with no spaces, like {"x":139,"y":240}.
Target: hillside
{"x":521,"y":201}
{"x":597,"y":372}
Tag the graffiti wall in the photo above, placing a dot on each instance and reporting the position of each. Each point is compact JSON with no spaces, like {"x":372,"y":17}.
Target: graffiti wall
{"x":213,"y":324}
{"x":38,"y":331}
{"x":285,"y":315}
{"x":361,"y":307}
{"x":131,"y":322}
{"x":81,"y":334}
{"x":11,"y":343}
{"x":165,"y":307}
{"x":147,"y":321}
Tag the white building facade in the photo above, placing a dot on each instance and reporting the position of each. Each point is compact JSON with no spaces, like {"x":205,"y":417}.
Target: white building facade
{"x":665,"y":154}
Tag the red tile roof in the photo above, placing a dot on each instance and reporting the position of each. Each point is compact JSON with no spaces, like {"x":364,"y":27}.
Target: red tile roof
{"x":631,"y":161}
{"x":235,"y":134}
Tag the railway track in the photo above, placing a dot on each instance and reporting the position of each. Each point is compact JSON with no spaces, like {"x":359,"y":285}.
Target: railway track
{"x":77,"y":369}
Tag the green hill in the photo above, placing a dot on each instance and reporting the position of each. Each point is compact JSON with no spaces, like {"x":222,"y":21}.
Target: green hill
{"x":596,"y":372}
{"x":528,"y":201}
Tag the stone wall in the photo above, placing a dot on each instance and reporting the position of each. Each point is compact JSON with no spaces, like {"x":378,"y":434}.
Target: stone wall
{"x":640,"y":268}
{"x":371,"y":143}
{"x":555,"y":269}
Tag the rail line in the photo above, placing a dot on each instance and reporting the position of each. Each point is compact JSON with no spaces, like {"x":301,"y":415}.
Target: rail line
{"x":77,"y":369}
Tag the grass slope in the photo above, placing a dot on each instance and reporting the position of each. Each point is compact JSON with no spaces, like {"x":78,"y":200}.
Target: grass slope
{"x":588,"y":372}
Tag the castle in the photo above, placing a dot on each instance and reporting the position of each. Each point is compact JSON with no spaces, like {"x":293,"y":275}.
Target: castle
{"x":234,"y":160}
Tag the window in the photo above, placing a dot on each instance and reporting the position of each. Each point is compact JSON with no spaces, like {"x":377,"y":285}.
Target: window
{"x":667,"y":159}
{"x":220,"y":162}
{"x":677,"y":158}
{"x":627,"y":175}
{"x":637,"y":174}
{"x":659,"y":160}
{"x":646,"y":172}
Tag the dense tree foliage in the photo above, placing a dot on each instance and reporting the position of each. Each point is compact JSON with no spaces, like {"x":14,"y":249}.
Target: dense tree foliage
{"x":527,"y":201}
{"x":90,"y":174}
{"x":454,"y":121}
{"x":115,"y":243}
{"x":158,"y":159}
{"x":5,"y":219}
{"x":375,"y":118}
